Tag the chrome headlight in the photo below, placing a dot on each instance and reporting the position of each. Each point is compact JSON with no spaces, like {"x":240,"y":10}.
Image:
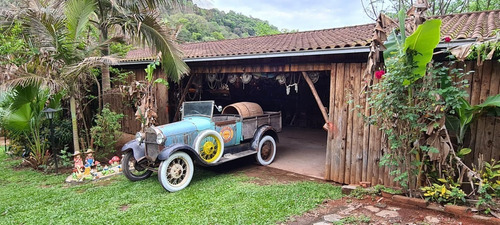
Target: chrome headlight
{"x":160,"y":138}
{"x":139,"y":137}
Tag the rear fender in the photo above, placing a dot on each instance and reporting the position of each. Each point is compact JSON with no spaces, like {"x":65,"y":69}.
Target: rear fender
{"x":261,"y":132}
{"x":168,"y":151}
{"x":136,"y":147}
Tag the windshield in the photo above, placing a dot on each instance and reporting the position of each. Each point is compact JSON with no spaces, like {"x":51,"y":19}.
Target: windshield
{"x":198,"y":108}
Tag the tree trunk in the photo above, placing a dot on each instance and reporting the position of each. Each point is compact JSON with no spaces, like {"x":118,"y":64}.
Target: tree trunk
{"x":72,"y":103}
{"x":106,"y":79}
{"x":106,"y":85}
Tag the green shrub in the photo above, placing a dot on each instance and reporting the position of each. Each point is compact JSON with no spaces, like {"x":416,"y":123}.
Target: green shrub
{"x":106,"y":132}
{"x":444,"y":193}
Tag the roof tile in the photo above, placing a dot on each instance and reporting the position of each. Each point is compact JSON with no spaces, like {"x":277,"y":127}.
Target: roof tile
{"x":473,"y":25}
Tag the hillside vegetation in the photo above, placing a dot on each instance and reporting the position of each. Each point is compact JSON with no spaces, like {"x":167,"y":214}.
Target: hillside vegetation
{"x":198,"y":25}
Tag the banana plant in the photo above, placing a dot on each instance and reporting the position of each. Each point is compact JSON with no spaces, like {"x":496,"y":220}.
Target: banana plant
{"x":466,"y":114}
{"x":24,"y":115}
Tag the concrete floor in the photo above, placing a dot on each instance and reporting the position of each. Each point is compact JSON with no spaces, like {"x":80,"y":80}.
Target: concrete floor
{"x":302,"y":151}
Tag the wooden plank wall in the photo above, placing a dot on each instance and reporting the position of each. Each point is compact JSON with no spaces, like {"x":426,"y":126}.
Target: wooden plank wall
{"x":121,"y":104}
{"x":485,"y":133}
{"x":354,"y":149}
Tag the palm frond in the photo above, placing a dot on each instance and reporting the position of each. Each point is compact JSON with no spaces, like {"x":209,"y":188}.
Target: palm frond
{"x":76,"y":70}
{"x":156,"y":35}
{"x":31,"y":79}
{"x":78,"y":13}
{"x":140,"y":6}
{"x":44,"y":23}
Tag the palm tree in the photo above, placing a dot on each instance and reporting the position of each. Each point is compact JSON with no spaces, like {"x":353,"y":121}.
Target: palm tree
{"x":57,"y":29}
{"x":138,"y":20}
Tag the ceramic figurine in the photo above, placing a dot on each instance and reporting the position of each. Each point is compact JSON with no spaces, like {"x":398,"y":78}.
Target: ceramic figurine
{"x":87,"y":169}
{"x":105,"y":170}
{"x":78,"y":161}
{"x":115,"y":161}
{"x":89,"y":157}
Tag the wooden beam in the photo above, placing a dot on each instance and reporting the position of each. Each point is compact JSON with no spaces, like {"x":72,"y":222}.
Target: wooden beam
{"x":318,"y":100}
{"x":183,"y":96}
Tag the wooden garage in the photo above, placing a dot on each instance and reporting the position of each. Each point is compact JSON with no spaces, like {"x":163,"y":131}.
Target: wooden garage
{"x":311,"y":76}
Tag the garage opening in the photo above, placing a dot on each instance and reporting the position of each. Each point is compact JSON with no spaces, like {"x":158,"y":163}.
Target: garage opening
{"x":302,"y":146}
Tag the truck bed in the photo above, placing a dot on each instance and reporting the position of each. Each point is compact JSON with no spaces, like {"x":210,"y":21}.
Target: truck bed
{"x":250,"y":124}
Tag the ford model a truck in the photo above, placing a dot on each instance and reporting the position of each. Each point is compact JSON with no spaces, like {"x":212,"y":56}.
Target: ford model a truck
{"x":241,"y":130}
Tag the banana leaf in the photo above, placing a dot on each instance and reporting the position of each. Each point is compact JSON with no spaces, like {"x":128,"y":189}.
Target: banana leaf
{"x":424,"y":40}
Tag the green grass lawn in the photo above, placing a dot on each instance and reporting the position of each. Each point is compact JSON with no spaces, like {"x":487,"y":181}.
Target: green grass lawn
{"x":31,"y":197}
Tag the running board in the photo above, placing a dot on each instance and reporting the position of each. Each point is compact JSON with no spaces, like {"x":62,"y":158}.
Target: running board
{"x":229,"y":157}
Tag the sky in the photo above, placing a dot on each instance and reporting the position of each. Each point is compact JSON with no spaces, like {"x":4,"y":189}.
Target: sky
{"x":293,"y":15}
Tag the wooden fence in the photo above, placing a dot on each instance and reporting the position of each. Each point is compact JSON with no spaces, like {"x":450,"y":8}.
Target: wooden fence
{"x":485,"y":133}
{"x":354,"y":149}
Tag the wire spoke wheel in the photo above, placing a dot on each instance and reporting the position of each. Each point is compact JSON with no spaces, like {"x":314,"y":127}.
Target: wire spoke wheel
{"x":210,"y":146}
{"x":176,"y":172}
{"x":132,"y":170}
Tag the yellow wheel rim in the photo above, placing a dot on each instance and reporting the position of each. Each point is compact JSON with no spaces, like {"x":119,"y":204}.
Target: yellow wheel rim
{"x":210,"y":148}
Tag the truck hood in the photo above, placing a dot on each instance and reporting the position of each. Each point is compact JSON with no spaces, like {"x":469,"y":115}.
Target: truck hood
{"x":187,"y":125}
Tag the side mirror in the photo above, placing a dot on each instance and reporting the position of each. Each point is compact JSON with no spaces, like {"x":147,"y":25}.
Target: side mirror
{"x":219,"y":108}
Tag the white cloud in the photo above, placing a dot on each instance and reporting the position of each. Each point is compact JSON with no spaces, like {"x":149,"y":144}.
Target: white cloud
{"x":302,"y":15}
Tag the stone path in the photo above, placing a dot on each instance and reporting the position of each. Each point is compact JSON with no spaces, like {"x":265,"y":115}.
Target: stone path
{"x":383,"y":213}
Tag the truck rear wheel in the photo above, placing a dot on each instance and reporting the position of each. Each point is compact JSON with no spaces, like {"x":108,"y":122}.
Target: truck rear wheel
{"x":176,"y":172}
{"x":266,"y":151}
{"x":132,"y":170}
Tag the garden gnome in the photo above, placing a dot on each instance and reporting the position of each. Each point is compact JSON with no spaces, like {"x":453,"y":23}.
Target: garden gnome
{"x":77,"y":158}
{"x":115,"y":160}
{"x":89,"y":158}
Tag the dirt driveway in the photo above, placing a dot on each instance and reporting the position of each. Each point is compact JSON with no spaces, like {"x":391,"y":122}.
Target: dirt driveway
{"x":370,"y":210}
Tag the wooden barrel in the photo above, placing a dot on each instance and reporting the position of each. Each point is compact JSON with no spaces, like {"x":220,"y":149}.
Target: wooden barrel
{"x":244,"y":109}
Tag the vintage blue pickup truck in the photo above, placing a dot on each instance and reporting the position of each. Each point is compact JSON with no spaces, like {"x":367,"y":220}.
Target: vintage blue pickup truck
{"x":242,"y":129}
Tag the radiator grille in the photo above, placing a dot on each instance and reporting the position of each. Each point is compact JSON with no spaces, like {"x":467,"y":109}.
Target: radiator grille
{"x":150,"y":137}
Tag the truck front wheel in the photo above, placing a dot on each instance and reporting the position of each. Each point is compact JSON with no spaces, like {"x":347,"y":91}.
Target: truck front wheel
{"x":132,"y":170}
{"x":176,"y":172}
{"x":266,"y":151}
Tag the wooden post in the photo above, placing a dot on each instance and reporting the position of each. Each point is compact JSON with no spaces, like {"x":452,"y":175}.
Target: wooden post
{"x":329,"y":146}
{"x":318,"y":100}
{"x":183,"y":96}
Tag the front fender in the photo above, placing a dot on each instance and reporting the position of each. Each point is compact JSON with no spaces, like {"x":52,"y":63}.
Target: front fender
{"x":261,"y":132}
{"x":136,"y":147}
{"x":168,"y":151}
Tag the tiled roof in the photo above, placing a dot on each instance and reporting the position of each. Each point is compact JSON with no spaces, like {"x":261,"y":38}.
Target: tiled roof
{"x":301,"y":41}
{"x":474,"y":25}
